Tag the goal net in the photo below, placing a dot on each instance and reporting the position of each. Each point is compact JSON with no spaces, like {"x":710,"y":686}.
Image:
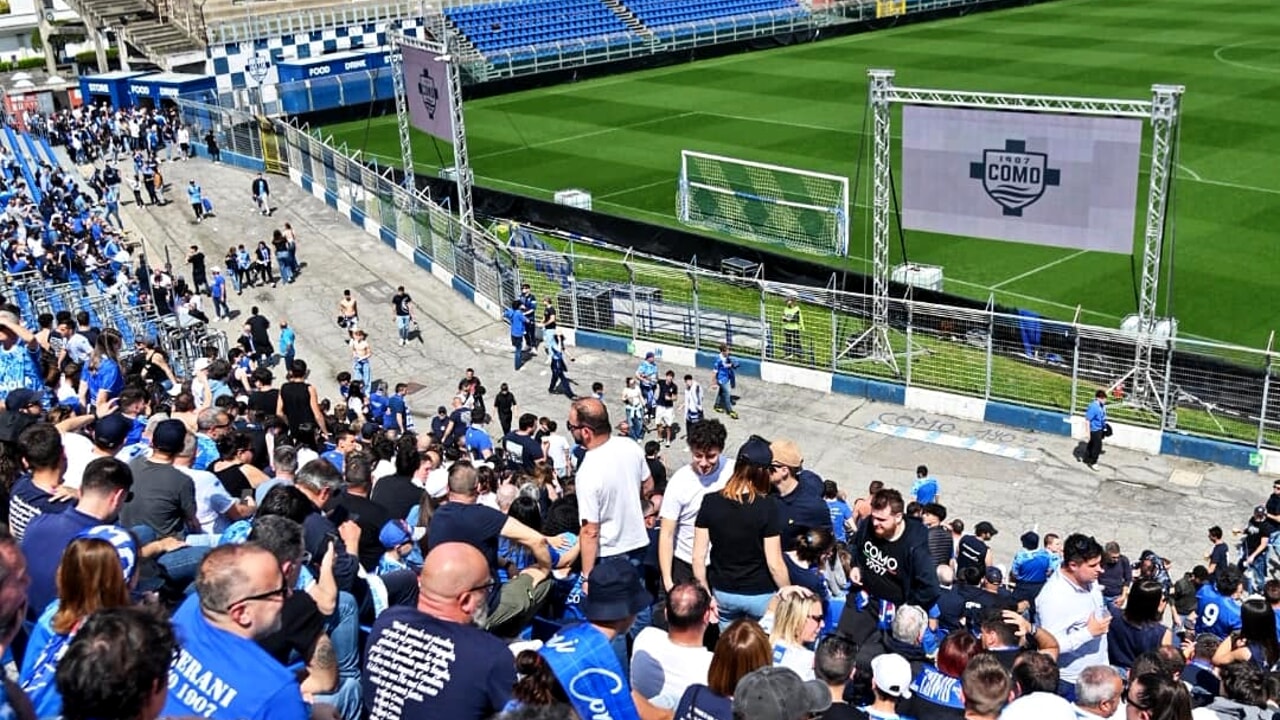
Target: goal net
{"x":798,"y":209}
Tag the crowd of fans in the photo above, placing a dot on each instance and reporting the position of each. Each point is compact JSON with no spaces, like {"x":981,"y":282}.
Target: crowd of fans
{"x":225,"y":545}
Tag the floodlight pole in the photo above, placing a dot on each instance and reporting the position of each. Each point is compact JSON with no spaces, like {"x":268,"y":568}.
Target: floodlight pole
{"x":1166,"y":103}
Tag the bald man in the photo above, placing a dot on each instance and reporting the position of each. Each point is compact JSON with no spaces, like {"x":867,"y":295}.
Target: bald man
{"x":220,"y":671}
{"x":437,"y":651}
{"x":610,"y":480}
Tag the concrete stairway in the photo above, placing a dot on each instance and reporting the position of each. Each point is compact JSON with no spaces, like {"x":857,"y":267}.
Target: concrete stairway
{"x":158,"y":39}
{"x":629,"y":19}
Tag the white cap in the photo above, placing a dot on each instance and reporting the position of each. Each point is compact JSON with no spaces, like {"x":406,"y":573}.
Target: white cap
{"x":201,"y":364}
{"x":892,"y":674}
{"x":437,"y":483}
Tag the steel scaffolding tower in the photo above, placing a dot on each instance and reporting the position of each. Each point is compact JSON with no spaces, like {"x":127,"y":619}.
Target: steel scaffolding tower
{"x":1163,"y":113}
{"x":440,"y":48}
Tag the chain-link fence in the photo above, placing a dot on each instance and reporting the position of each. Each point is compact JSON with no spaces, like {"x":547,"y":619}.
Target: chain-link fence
{"x":1194,"y":386}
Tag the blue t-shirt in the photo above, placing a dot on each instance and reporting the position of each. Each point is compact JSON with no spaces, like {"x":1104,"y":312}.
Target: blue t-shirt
{"x":422,"y":667}
{"x":516,"y":318}
{"x":46,"y":537}
{"x":377,"y":407}
{"x":286,"y":340}
{"x":840,"y":514}
{"x":206,"y":452}
{"x":106,"y":377}
{"x":724,"y":370}
{"x":478,"y":441}
{"x":1032,"y":566}
{"x":227,"y":677}
{"x":28,"y":501}
{"x":395,"y":409}
{"x":1216,"y":613}
{"x":925,"y":490}
{"x":218,"y":287}
{"x":1096,"y":415}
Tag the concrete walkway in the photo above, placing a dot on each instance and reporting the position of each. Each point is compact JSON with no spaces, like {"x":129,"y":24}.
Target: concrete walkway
{"x":1015,"y":479}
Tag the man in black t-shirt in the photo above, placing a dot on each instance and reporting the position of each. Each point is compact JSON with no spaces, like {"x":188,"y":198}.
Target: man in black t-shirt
{"x":463,"y":520}
{"x":523,"y":452}
{"x":402,"y":305}
{"x":369,"y":515}
{"x":199,"y":278}
{"x":303,"y":627}
{"x":1218,"y":553}
{"x":438,"y":645}
{"x":665,"y":399}
{"x":974,"y":550}
{"x":260,"y":328}
{"x":397,"y":493}
{"x":1257,"y":536}
{"x":892,"y":564}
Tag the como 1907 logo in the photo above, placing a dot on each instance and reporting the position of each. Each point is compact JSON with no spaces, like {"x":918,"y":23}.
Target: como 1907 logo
{"x":429,"y":91}
{"x":1013,"y":177}
{"x":258,"y":66}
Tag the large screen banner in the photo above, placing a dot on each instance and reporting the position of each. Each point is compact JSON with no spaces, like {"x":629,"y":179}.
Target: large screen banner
{"x":1061,"y":180}
{"x":426,"y":85}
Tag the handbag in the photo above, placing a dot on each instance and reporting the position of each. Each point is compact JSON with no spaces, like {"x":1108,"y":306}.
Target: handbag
{"x":342,"y":322}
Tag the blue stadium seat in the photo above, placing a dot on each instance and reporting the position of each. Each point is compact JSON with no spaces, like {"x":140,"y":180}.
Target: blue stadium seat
{"x":506,"y":26}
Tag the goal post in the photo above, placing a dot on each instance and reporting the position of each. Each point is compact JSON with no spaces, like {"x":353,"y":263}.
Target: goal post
{"x":798,"y":209}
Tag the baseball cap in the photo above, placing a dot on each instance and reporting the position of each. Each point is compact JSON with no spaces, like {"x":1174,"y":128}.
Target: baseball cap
{"x":755,"y":451}
{"x":111,"y":431}
{"x":22,"y":397}
{"x":995,"y":576}
{"x":201,"y":364}
{"x":394,"y":534}
{"x":985,"y":528}
{"x":437,"y":485}
{"x":122,"y":541}
{"x":615,"y":593}
{"x":1030,"y":540}
{"x":892,"y":674}
{"x":786,"y":452}
{"x":169,"y":436}
{"x":777,"y":693}
{"x":1260,"y":510}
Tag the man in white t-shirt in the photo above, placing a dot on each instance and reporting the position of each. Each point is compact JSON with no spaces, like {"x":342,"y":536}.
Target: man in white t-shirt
{"x":665,"y":664}
{"x":707,"y":472}
{"x":215,"y":508}
{"x":610,"y":480}
{"x":556,"y":449}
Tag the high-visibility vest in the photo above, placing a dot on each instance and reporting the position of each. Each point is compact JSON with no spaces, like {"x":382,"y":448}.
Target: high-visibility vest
{"x":791,"y":317}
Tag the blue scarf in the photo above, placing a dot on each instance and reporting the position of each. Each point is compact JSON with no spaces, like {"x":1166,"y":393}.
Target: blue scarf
{"x":937,"y":688}
{"x":590,"y":673}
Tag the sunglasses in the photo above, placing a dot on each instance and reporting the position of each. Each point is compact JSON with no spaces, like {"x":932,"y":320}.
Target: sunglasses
{"x":816,"y":618}
{"x":281,"y":592}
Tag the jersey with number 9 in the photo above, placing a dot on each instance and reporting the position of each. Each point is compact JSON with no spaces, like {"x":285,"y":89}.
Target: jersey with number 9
{"x":1216,"y":613}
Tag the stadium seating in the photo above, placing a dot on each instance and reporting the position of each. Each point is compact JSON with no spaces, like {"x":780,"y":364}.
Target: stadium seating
{"x":514,"y":25}
{"x":665,"y":17}
{"x":518,"y":30}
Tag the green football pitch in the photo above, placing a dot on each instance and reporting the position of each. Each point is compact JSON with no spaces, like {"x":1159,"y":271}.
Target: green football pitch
{"x":803,"y":106}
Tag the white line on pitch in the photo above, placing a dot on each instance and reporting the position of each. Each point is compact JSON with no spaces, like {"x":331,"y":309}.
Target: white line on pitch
{"x":645,"y":186}
{"x":583,"y":136}
{"x":1033,"y":271}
